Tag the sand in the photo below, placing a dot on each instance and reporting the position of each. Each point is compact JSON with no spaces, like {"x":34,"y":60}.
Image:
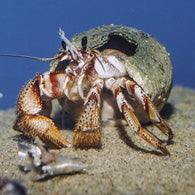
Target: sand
{"x":125,"y":164}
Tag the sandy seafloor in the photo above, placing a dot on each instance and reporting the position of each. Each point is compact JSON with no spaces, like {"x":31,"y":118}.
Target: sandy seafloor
{"x":119,"y":167}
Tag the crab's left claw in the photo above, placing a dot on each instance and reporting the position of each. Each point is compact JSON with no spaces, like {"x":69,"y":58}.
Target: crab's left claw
{"x":88,"y":129}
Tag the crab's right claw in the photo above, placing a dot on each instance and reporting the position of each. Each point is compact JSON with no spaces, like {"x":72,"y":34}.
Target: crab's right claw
{"x":30,"y":108}
{"x":44,"y":128}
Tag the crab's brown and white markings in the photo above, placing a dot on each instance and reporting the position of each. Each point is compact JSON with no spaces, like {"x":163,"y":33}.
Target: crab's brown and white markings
{"x":88,"y":132}
{"x":130,"y":117}
{"x":87,"y":73}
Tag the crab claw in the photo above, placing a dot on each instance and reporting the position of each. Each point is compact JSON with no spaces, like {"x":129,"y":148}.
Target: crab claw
{"x":44,"y":128}
{"x":31,"y":109}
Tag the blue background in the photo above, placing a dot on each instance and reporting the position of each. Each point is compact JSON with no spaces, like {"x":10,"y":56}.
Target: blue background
{"x":31,"y":28}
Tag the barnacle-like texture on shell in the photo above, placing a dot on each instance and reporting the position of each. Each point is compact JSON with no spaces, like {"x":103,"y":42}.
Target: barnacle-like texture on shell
{"x":148,"y":63}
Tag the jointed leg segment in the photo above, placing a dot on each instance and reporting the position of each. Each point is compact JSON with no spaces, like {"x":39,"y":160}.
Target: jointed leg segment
{"x":88,"y":128}
{"x":135,"y":90}
{"x":133,"y":122}
{"x":33,"y":109}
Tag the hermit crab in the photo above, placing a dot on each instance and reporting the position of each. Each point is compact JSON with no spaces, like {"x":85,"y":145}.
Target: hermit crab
{"x":106,"y":70}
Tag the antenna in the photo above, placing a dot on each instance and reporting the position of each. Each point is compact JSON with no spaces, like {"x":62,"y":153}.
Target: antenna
{"x":31,"y":57}
{"x":66,"y":45}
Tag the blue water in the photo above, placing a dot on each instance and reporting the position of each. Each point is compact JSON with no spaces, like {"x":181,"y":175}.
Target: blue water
{"x":31,"y":28}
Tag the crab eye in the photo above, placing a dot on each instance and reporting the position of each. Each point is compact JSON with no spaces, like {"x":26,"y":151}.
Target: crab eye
{"x":84,"y":43}
{"x":63,"y":45}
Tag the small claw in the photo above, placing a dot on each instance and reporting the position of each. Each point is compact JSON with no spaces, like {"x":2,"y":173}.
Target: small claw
{"x":164,"y":127}
{"x":87,"y":139}
{"x":44,"y":128}
{"x":170,"y":135}
{"x":88,"y":129}
{"x":163,"y":149}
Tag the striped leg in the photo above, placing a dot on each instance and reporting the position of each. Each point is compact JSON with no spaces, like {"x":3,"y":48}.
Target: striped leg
{"x":130,"y":117}
{"x":134,"y":89}
{"x":88,"y":128}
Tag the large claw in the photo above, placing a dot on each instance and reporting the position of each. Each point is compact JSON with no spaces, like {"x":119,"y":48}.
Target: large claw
{"x":30,"y":108}
{"x":44,"y":128}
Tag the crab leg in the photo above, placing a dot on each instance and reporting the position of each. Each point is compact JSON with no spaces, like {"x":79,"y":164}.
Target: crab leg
{"x":134,"y":89}
{"x":29,"y":107}
{"x":88,"y":128}
{"x":130,"y":117}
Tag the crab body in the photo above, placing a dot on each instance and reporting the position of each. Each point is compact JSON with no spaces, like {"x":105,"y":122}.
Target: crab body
{"x":146,"y":62}
{"x":119,"y":69}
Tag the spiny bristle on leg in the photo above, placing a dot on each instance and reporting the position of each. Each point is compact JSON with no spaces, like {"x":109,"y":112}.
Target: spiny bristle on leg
{"x":44,"y":128}
{"x":88,"y":128}
{"x":86,"y":139}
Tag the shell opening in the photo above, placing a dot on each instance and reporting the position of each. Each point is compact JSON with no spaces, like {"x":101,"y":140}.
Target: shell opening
{"x":119,"y":42}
